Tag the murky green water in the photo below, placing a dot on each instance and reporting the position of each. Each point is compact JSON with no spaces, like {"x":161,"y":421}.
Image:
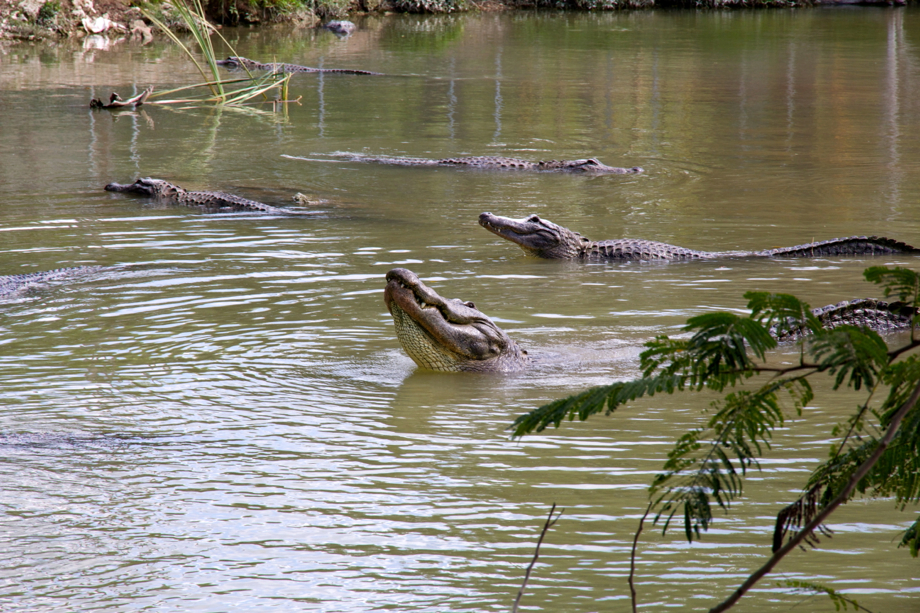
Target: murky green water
{"x":230,"y":425}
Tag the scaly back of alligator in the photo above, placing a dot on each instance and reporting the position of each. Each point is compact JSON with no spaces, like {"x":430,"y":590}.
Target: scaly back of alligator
{"x":221,"y":201}
{"x":488,"y":162}
{"x":877,"y":315}
{"x":16,"y":284}
{"x":236,"y":63}
{"x":851,"y":245}
{"x":637,"y":249}
{"x":209,"y":201}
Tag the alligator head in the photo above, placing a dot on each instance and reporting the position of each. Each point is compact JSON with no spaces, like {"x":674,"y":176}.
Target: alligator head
{"x":446,"y":334}
{"x":537,"y":237}
{"x":236,"y":63}
{"x":588,"y":166}
{"x":156,"y":188}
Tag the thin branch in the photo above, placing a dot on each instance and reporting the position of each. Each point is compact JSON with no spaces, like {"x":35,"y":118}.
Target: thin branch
{"x":822,"y":516}
{"x":913,"y":344}
{"x":550,"y":522}
{"x":632,"y":557}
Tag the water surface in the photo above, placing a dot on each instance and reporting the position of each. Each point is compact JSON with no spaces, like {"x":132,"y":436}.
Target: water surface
{"x":229,"y":424}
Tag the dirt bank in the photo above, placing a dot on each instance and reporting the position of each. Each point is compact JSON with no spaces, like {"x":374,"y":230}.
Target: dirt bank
{"x":45,"y":19}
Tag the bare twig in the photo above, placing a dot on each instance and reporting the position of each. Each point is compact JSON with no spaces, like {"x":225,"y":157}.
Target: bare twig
{"x":115,"y":101}
{"x":632,"y":557}
{"x":550,"y":522}
{"x":822,"y":516}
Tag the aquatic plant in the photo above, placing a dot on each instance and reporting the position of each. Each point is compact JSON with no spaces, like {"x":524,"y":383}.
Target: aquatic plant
{"x":194,"y":21}
{"x":876,"y":450}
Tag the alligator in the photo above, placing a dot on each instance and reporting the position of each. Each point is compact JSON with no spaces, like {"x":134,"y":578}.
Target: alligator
{"x":447,"y":335}
{"x":874,"y":314}
{"x":208,"y":201}
{"x":587,"y":166}
{"x":544,"y":239}
{"x":235,"y":62}
{"x":340,"y":27}
{"x":451,"y":335}
{"x":18,"y":284}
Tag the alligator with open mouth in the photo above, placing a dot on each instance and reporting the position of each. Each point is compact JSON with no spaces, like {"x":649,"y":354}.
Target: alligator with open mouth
{"x":451,"y":335}
{"x":208,"y":201}
{"x":585,"y":166}
{"x":544,"y":239}
{"x":235,"y":62}
{"x":444,"y":334}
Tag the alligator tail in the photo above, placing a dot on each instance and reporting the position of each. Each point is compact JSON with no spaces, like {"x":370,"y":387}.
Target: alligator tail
{"x":851,"y":245}
{"x":12,"y":284}
{"x":877,"y":315}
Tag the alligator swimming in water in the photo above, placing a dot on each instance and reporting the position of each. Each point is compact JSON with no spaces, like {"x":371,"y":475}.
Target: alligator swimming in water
{"x":586,"y":166}
{"x":447,"y":334}
{"x":18,"y":284}
{"x":208,"y":201}
{"x":544,"y":239}
{"x":340,"y":27}
{"x":451,"y":335}
{"x":874,"y":314}
{"x":235,"y":62}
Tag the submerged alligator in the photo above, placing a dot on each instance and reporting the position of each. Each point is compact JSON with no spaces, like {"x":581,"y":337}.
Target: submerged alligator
{"x":340,"y":27}
{"x":208,"y":201}
{"x":544,"y":239}
{"x":18,"y":284}
{"x":451,"y":335}
{"x":235,"y":62}
{"x":587,"y":166}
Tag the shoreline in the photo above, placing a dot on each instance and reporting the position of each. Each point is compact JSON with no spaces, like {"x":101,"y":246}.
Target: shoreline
{"x":42,"y":20}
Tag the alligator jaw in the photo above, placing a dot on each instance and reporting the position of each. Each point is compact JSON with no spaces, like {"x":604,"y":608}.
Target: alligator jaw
{"x":595,"y":166}
{"x":537,"y":237}
{"x":231,"y":63}
{"x":446,"y":335}
{"x":138,"y":187}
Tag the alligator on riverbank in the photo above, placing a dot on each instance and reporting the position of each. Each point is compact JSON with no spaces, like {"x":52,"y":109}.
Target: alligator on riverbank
{"x":447,"y":334}
{"x":544,"y":239}
{"x":208,"y":201}
{"x":11,"y":285}
{"x":451,"y":335}
{"x":239,"y":63}
{"x":586,"y":166}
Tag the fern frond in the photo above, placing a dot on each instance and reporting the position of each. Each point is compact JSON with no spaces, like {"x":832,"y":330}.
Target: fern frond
{"x":840,"y":601}
{"x":851,"y":352}
{"x":911,"y":539}
{"x":784,"y":315}
{"x":902,"y":282}
{"x":593,"y":401}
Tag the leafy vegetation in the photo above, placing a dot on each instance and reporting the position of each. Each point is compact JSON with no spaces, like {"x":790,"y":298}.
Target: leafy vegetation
{"x":876,"y":450}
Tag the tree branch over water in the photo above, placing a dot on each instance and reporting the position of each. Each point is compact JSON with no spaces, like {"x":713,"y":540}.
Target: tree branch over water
{"x":727,"y":354}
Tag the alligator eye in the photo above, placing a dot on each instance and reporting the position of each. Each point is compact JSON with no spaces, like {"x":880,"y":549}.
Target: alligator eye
{"x":593,"y":162}
{"x":469,"y":304}
{"x":534,"y":218}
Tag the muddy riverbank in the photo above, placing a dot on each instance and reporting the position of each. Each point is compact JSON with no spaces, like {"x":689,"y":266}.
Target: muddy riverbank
{"x":30,"y":20}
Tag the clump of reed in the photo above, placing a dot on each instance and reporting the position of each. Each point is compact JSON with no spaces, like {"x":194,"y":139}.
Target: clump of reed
{"x":193,"y":18}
